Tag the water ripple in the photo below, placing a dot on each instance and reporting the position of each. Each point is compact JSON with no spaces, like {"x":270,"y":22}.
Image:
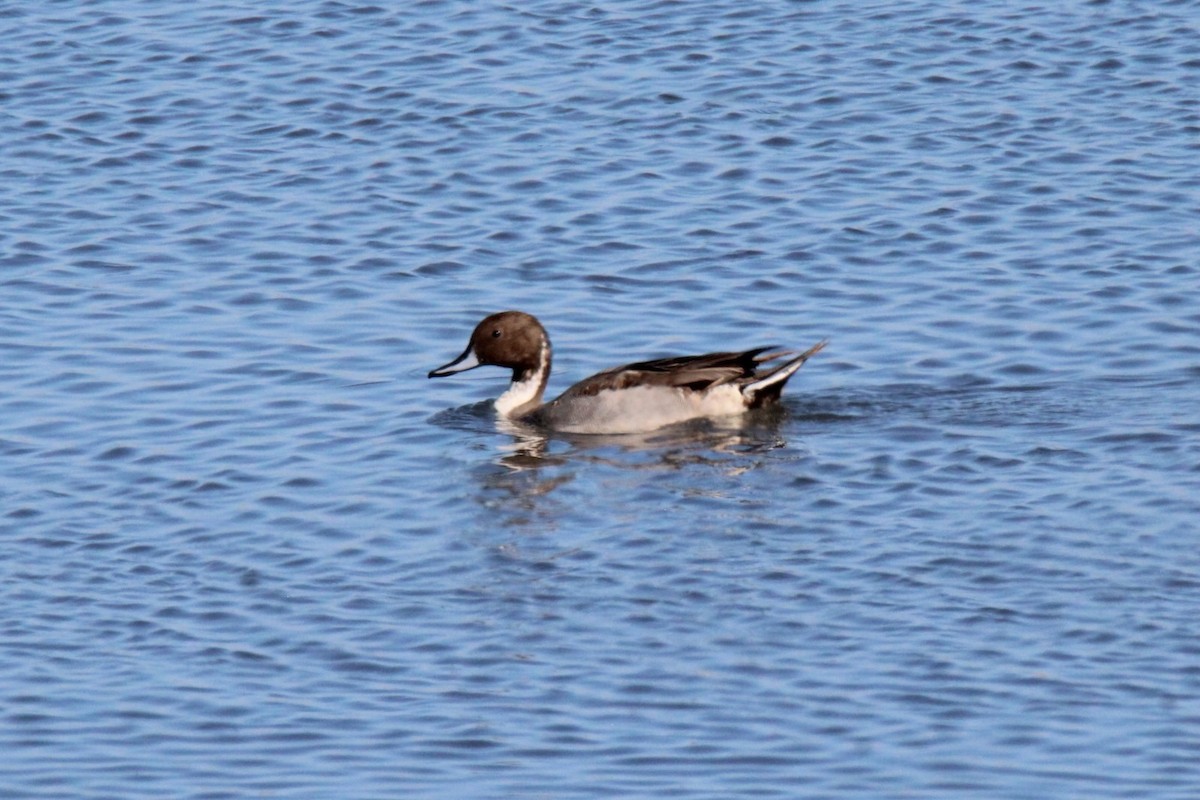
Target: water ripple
{"x":251,"y":550}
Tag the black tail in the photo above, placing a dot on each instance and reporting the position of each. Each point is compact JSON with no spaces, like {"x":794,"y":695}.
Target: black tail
{"x":767,"y":388}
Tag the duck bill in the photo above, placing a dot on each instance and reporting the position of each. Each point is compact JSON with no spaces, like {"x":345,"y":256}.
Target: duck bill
{"x":468,"y":360}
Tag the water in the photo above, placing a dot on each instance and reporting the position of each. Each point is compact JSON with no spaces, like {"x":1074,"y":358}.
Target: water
{"x":249,"y":551}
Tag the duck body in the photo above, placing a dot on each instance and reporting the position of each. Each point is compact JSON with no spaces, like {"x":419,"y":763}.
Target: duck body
{"x":633,"y":398}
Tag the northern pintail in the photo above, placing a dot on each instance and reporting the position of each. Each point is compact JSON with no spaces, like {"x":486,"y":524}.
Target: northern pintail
{"x":634,"y":398}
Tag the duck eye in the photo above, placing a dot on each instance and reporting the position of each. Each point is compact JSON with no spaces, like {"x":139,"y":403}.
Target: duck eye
{"x":496,"y":334}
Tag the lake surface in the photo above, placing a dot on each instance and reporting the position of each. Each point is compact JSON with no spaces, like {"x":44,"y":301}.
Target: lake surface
{"x":250,"y":551}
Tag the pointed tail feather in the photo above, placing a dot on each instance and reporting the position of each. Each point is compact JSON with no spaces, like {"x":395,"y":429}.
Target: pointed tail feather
{"x":769,"y":386}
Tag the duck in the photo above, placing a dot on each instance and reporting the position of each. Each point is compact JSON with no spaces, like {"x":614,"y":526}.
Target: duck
{"x":634,"y":398}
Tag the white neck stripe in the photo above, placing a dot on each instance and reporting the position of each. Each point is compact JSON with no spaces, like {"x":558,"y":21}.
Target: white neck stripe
{"x":526,"y":395}
{"x":521,"y":393}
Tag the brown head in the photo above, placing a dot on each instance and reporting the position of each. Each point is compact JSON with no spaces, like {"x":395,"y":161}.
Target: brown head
{"x":510,"y":339}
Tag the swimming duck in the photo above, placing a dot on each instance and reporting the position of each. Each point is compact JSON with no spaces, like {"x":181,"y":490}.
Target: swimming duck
{"x":634,"y":398}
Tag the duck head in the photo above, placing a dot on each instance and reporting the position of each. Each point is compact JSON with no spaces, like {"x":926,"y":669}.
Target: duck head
{"x":511,"y":339}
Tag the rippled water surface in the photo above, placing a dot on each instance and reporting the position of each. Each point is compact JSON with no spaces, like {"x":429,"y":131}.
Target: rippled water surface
{"x":250,"y":551}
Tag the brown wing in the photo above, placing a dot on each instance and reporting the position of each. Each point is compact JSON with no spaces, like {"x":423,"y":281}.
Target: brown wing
{"x":692,"y":372}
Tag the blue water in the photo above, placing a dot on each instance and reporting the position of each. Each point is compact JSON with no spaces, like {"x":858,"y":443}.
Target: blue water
{"x":248,"y":550}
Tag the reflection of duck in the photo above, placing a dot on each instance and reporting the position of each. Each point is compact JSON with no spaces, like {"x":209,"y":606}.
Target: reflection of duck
{"x":630,"y":399}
